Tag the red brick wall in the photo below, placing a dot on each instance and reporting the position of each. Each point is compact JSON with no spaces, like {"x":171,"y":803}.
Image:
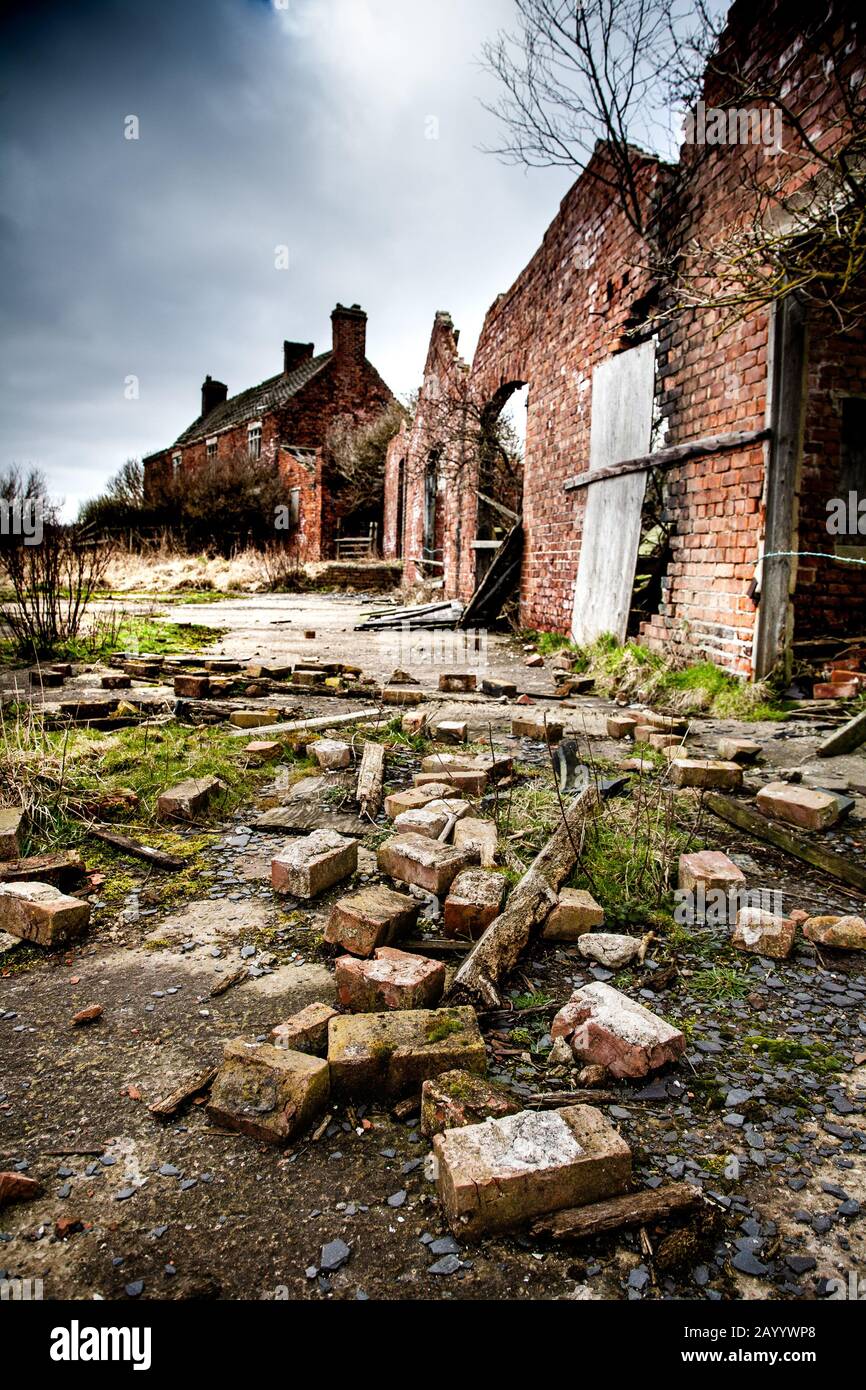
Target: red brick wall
{"x":568,"y":310}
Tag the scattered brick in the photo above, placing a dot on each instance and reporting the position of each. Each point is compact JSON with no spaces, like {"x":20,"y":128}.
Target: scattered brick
{"x":457,"y":684}
{"x":499,"y":690}
{"x":498,"y":1175}
{"x":705,"y":773}
{"x":414,"y":797}
{"x":474,"y":900}
{"x":39,"y":912}
{"x":800,"y":806}
{"x":391,"y":1054}
{"x":253,"y":718}
{"x":450,"y":731}
{"x":576,"y":912}
{"x":306,"y":1031}
{"x":763,"y":933}
{"x":192,"y":687}
{"x":263,"y":750}
{"x":458,"y":1098}
{"x":13,"y":820}
{"x":268,"y":1092}
{"x":477,"y":838}
{"x":16,"y":1187}
{"x":739,"y":750}
{"x":374,"y":916}
{"x":393,"y":980}
{"x":314,"y":863}
{"x":188,"y":799}
{"x":708,"y":869}
{"x":331,"y":753}
{"x":536,"y":727}
{"x":842,"y":933}
{"x":607,"y":1028}
{"x":621,"y":725}
{"x":427,"y":863}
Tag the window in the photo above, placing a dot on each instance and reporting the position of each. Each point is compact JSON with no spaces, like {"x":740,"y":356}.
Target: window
{"x":254,"y":441}
{"x":295,"y":508}
{"x":175,"y":464}
{"x":852,"y":473}
{"x":211,"y":447}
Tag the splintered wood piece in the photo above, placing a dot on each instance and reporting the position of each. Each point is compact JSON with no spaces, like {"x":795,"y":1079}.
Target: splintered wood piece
{"x":370,"y":776}
{"x":634,"y":1209}
{"x":188,"y":1091}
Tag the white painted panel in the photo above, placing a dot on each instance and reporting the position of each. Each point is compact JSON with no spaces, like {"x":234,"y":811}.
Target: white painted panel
{"x":622,"y":414}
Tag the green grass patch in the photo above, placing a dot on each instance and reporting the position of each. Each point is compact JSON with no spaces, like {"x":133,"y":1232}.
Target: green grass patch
{"x":718,"y":983}
{"x":815,"y":1057}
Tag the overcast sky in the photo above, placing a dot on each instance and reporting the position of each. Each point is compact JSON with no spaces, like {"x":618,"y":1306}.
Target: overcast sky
{"x":303,"y":124}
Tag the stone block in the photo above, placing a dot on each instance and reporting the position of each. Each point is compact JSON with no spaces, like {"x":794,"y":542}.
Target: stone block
{"x":39,"y":912}
{"x":606,"y":1028}
{"x":427,"y":863}
{"x":610,"y":949}
{"x":474,"y":899}
{"x":263,"y":750}
{"x":115,"y":682}
{"x":314,"y":863}
{"x":498,"y":1175}
{"x":498,"y":690}
{"x":374,"y":916}
{"x":390,"y":1055}
{"x":268,"y":1092}
{"x":393,"y":980}
{"x":576,"y":912}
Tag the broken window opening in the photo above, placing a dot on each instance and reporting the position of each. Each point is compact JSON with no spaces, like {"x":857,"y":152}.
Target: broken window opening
{"x":654,"y":552}
{"x":500,"y":453}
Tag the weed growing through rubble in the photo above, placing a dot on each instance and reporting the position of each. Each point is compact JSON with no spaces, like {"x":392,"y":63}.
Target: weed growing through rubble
{"x":636,"y":673}
{"x":719,"y":982}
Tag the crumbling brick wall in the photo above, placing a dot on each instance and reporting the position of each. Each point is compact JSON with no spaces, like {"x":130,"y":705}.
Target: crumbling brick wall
{"x":575,"y":304}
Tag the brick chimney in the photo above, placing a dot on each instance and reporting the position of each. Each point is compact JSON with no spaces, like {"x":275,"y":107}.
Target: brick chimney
{"x":213,"y":393}
{"x":349,"y":337}
{"x":294,"y":354}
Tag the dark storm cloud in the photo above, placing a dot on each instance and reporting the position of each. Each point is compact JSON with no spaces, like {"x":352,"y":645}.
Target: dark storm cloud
{"x":260,"y":125}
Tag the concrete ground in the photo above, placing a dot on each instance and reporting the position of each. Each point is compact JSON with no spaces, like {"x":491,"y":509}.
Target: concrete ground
{"x":765,"y":1113}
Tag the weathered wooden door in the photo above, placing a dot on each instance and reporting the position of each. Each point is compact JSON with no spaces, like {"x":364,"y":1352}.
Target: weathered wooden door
{"x":622,"y":417}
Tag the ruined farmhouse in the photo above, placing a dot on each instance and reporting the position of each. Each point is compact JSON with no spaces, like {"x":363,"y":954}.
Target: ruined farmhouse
{"x":681,"y":456}
{"x":285,"y":422}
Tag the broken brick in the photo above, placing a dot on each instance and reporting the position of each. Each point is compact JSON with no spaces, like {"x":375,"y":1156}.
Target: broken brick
{"x":16,"y":1187}
{"x":536,"y":727}
{"x":706,"y":773}
{"x":499,"y":690}
{"x":708,"y":869}
{"x":457,"y":684}
{"x":413,"y":797}
{"x":427,"y":863}
{"x":576,"y":912}
{"x":842,"y":933}
{"x":763,"y":933}
{"x":39,"y":912}
{"x":457,"y":1098}
{"x":314,"y":863}
{"x":331,"y":753}
{"x":800,"y":806}
{"x":13,"y":820}
{"x":390,"y":1054}
{"x":393,"y":980}
{"x":610,"y":949}
{"x":477,"y":838}
{"x":500,"y":1174}
{"x":188,"y":799}
{"x":605,"y":1027}
{"x":253,"y":718}
{"x":268,"y":1092}
{"x":306,"y":1031}
{"x":374,"y":916}
{"x":263,"y":750}
{"x":474,"y":900}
